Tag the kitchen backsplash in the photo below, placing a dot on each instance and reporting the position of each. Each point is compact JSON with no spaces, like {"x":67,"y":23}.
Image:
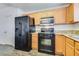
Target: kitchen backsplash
{"x":76,"y":32}
{"x":76,"y":26}
{"x":65,"y":28}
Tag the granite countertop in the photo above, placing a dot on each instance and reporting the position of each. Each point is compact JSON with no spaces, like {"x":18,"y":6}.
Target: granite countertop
{"x":72,"y":36}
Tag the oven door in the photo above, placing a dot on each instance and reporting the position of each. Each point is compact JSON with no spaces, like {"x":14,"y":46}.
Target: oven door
{"x":47,"y":43}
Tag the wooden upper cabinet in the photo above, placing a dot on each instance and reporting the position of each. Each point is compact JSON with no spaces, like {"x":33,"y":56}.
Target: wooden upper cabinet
{"x":37,"y":17}
{"x":58,"y":14}
{"x":60,"y":45}
{"x":70,"y":14}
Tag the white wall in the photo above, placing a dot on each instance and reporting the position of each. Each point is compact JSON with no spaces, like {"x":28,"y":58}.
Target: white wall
{"x":67,"y":27}
{"x":76,"y":12}
{"x":7,"y":24}
{"x":63,"y":27}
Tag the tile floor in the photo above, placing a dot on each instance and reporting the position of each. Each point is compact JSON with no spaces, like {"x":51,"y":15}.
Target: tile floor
{"x":6,"y":50}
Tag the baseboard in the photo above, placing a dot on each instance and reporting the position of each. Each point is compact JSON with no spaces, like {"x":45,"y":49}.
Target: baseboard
{"x":7,"y":45}
{"x":59,"y":54}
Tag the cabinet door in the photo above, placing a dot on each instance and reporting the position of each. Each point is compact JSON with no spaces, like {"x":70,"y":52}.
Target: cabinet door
{"x":60,"y":15}
{"x":35,"y":41}
{"x":69,"y":50}
{"x":70,"y":14}
{"x":70,"y":41}
{"x":60,"y":45}
{"x":76,"y":48}
{"x":76,"y":52}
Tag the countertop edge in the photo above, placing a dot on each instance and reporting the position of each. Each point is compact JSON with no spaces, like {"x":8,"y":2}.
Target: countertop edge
{"x":69,"y":36}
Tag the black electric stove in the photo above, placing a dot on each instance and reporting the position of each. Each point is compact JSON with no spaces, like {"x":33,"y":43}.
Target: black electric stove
{"x":46,"y":41}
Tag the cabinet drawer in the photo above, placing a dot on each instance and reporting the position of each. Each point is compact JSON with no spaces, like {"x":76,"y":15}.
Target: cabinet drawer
{"x":69,"y":50}
{"x":70,"y":41}
{"x":76,"y":52}
{"x":77,"y":45}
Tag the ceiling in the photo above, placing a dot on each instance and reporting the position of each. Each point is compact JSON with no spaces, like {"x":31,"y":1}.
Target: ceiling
{"x":31,"y":6}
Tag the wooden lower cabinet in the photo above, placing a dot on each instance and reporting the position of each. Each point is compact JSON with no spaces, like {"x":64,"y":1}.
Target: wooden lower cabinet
{"x":76,"y":48}
{"x":70,"y":47}
{"x":69,"y":50}
{"x":66,"y":46}
{"x":60,"y":45}
{"x":35,"y":41}
{"x":76,"y":52}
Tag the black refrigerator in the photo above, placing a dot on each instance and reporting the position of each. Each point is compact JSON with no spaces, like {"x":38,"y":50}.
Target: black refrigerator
{"x":46,"y":37}
{"x":23,"y":31}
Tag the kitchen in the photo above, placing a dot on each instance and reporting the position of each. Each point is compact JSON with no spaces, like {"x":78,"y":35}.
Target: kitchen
{"x":65,"y":24}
